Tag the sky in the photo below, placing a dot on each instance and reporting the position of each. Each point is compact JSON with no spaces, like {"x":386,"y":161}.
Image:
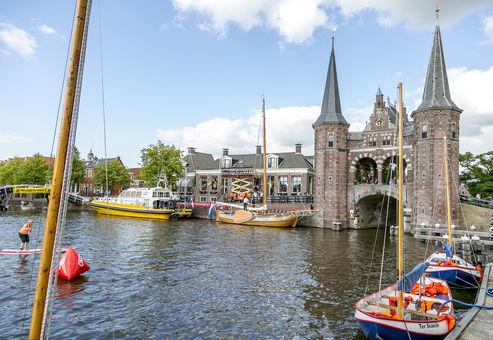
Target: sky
{"x":191,"y":73}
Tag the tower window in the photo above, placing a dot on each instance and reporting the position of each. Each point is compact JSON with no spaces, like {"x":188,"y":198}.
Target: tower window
{"x":372,"y":141}
{"x":330,"y":140}
{"x":424,"y":131}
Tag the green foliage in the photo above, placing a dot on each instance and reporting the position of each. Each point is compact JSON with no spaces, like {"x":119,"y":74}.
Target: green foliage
{"x":158,"y":158}
{"x":33,"y":170}
{"x":78,"y":168}
{"x":477,"y":172}
{"x":9,"y":171}
{"x":117,"y":175}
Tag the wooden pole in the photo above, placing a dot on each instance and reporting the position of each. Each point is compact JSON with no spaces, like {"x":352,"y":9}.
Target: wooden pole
{"x":58,"y":171}
{"x":401,"y":204}
{"x":264,"y":154}
{"x":447,"y":190}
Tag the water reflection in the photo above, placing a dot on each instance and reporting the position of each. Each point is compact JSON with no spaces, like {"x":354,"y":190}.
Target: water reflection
{"x":203,"y":279}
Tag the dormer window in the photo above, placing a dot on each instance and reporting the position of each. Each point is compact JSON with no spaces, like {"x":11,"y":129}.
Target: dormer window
{"x":330,"y":140}
{"x":272,"y":161}
{"x":225,"y":162}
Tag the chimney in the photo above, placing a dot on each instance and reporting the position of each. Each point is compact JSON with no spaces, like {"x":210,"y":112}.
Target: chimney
{"x":297,"y":148}
{"x":225,"y":151}
{"x":259,"y":150}
{"x":191,"y":151}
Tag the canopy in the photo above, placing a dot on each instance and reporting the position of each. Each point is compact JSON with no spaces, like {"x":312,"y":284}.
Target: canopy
{"x":407,"y":283}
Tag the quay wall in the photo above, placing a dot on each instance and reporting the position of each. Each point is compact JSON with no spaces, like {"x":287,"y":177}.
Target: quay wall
{"x":480,"y":217}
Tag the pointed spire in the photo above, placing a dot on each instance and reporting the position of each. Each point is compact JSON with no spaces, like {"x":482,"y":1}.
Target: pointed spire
{"x":436,"y":93}
{"x":331,"y":106}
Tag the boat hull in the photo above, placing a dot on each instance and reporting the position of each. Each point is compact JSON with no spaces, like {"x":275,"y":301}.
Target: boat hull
{"x":284,"y":221}
{"x":388,"y":329}
{"x":456,"y":277}
{"x":134,"y":211}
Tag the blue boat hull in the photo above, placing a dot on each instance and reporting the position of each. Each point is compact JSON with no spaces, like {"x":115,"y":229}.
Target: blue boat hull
{"x":377,"y":331}
{"x":457,"y":278}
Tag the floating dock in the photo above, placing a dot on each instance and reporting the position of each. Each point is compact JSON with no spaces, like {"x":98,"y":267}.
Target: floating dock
{"x":477,"y":323}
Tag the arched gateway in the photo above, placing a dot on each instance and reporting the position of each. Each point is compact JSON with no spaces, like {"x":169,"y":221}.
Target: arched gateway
{"x":354,"y":171}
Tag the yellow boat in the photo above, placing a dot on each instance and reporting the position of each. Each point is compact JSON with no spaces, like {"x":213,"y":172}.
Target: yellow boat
{"x":152,"y":203}
{"x":243,"y":217}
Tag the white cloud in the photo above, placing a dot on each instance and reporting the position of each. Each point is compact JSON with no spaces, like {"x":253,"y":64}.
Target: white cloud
{"x":413,"y":14}
{"x":488,"y":27}
{"x":16,"y":39}
{"x":46,"y":29}
{"x":285,"y":127}
{"x":296,"y":20}
{"x":471,"y":91}
{"x":12,"y":137}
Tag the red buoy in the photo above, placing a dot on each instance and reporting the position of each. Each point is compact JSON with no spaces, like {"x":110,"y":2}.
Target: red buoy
{"x":72,"y":265}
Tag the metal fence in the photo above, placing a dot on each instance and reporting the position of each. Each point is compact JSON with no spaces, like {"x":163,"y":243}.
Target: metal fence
{"x":476,"y":201}
{"x":290,"y":199}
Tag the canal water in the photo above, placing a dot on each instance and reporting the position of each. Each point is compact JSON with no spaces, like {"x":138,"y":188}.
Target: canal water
{"x":196,"y":278}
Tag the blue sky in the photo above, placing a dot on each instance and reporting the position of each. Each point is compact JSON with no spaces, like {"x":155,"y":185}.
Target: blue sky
{"x":191,"y":72}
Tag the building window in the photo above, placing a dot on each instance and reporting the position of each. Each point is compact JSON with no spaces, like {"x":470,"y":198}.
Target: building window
{"x":424,"y":131}
{"x":272,"y":162}
{"x":225,"y":163}
{"x":283,"y":184}
{"x":387,"y":140}
{"x":372,"y":141}
{"x":296,"y":184}
{"x":203,"y":199}
{"x":203,"y":183}
{"x":330,"y":140}
{"x":213,"y":199}
{"x":214,"y":183}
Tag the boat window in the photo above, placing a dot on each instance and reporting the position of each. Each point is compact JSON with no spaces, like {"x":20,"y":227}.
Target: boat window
{"x":161,"y":194}
{"x":166,"y":194}
{"x":139,"y":193}
{"x":154,"y":194}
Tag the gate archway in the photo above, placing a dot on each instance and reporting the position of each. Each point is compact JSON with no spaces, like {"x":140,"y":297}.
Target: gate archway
{"x":370,"y":207}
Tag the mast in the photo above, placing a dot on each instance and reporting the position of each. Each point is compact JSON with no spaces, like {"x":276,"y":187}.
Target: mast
{"x":447,"y":191}
{"x":264,"y":154}
{"x":75,"y":62}
{"x":400,"y":207}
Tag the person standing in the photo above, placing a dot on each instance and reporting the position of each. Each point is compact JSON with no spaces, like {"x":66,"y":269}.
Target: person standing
{"x":245,"y":203}
{"x":24,"y":233}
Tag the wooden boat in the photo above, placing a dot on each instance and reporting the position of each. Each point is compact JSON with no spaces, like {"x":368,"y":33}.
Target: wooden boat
{"x":377,"y":313}
{"x":258,"y":217}
{"x":415,"y":307}
{"x":157,"y":203}
{"x":446,"y":265}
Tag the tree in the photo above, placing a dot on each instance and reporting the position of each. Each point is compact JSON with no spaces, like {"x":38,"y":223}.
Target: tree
{"x":9,"y":170}
{"x":160,"y":158}
{"x":33,"y":170}
{"x":477,"y":172}
{"x":78,"y":168}
{"x":118,"y":176}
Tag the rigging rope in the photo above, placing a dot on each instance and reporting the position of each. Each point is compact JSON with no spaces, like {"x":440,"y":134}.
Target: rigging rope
{"x":107,"y":189}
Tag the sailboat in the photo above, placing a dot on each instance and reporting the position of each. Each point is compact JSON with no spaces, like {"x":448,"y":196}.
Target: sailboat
{"x":446,"y":265}
{"x":258,"y":216}
{"x":411,"y":308}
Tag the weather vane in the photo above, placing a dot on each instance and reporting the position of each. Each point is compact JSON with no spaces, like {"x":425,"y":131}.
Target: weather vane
{"x":437,"y":10}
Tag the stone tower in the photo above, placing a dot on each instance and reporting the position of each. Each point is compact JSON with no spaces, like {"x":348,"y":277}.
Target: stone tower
{"x":331,"y":131}
{"x":436,"y":117}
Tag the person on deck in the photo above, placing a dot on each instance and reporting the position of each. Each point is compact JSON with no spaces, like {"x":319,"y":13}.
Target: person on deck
{"x":24,"y":234}
{"x":245,"y":203}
